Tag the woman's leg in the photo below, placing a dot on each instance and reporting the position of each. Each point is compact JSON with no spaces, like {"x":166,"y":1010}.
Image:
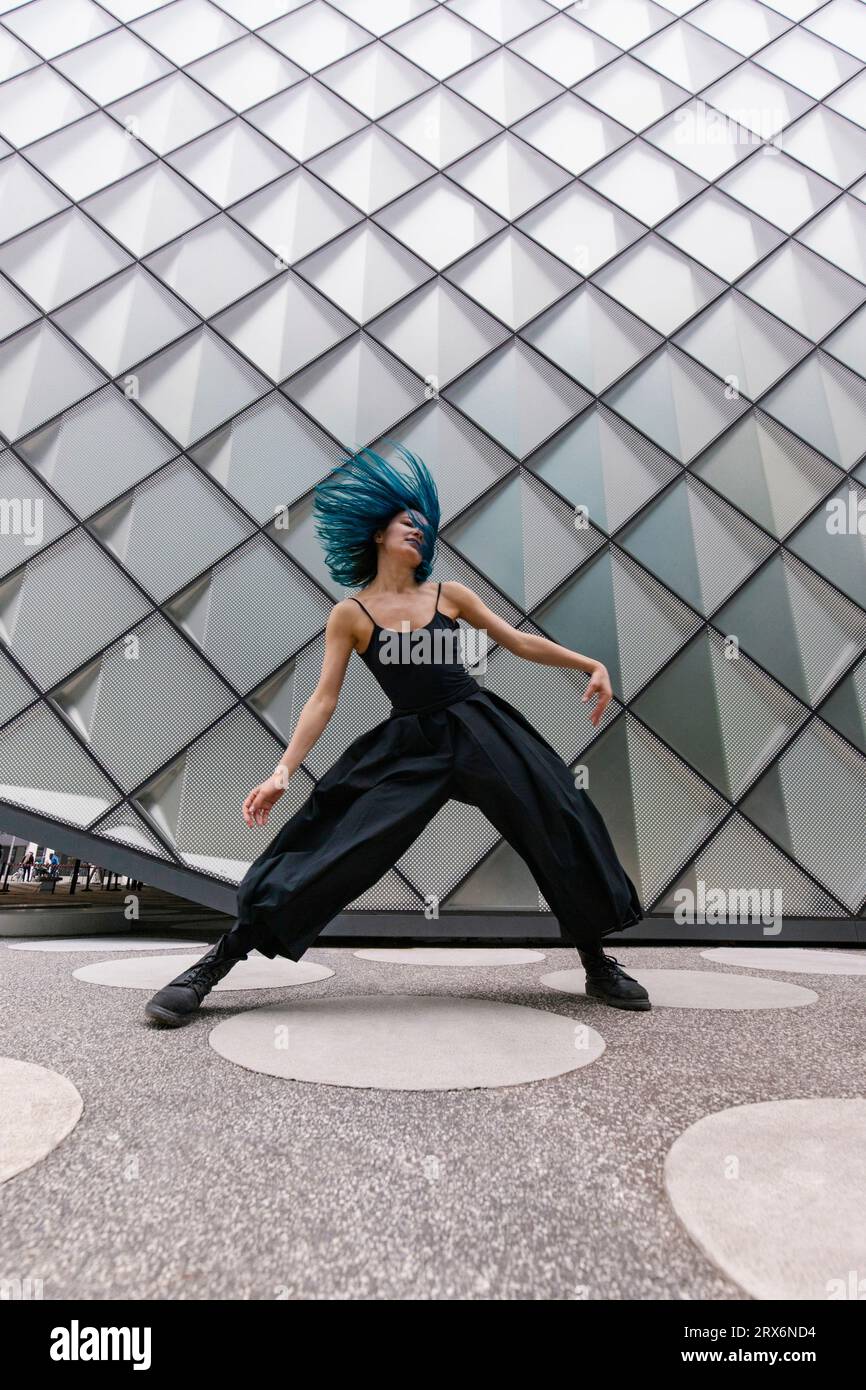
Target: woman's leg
{"x":348,"y":833}
{"x":527,"y":792}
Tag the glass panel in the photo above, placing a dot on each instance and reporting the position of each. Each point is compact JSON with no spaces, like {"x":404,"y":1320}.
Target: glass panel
{"x":702,"y":139}
{"x":88,"y":155}
{"x":268,"y":456}
{"x":197,"y":385}
{"x":196,"y":522}
{"x":795,"y":625}
{"x":37,"y":103}
{"x":819,"y":783}
{"x":60,"y":258}
{"x":231,"y":162}
{"x":721,"y":234}
{"x":600,"y":464}
{"x":87,"y":432}
{"x":315,"y":35}
{"x":512,"y":277}
{"x":739,"y":23}
{"x":686,"y":56}
{"x":169,"y":112}
{"x":150,"y":208}
{"x":440,"y":126}
{"x":438,"y":332}
{"x":726,"y":718}
{"x":591,"y":337}
{"x":839,"y":235}
{"x":439,"y":222}
{"x":644,"y":182}
{"x":52,"y":26}
{"x":624,"y":25}
{"x":631,"y":93}
{"x":25,"y":197}
{"x":125,"y":320}
{"x":746,"y":347}
{"x":767,"y":472}
{"x":364,"y":271}
{"x":779,"y":188}
{"x":295,"y":215}
{"x":375,"y":80}
{"x":675,"y":402}
{"x":440,"y":42}
{"x":245,"y":72}
{"x":113,"y":66}
{"x":188,"y":30}
{"x":517,"y":397}
{"x":848,"y":100}
{"x":502,"y":22}
{"x":370,"y":169}
{"x":563,"y":49}
{"x":848,"y":343}
{"x":808,"y":62}
{"x":213,"y":265}
{"x":283,"y":326}
{"x":842,"y":24}
{"x":306,"y":120}
{"x":833,"y":540}
{"x":826,"y":405}
{"x":659,"y":283}
{"x":581,"y":228}
{"x":681,"y":536}
{"x":357,"y":390}
{"x":804,"y":290}
{"x":829,"y":144}
{"x":760,"y":103}
{"x":571,"y":132}
{"x":504,"y":86}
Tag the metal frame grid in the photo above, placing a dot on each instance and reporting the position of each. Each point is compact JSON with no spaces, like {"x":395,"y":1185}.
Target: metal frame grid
{"x":741,"y":41}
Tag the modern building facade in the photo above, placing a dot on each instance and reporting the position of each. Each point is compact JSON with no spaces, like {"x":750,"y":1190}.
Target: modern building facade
{"x":602,"y":265}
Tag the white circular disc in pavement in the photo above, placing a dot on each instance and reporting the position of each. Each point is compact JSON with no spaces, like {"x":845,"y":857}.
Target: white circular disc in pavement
{"x":152,"y":972}
{"x":799,"y":960}
{"x":38,"y":1108}
{"x":406,"y":1042}
{"x":472,"y":957}
{"x":105,"y":943}
{"x":698,"y":989}
{"x":775,"y":1195}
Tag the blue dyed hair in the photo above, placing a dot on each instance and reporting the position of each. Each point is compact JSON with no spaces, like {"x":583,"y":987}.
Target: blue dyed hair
{"x":361,"y":496}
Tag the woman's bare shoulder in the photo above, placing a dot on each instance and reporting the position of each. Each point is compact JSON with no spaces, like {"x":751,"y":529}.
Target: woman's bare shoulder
{"x":346,"y":617}
{"x":458,"y":597}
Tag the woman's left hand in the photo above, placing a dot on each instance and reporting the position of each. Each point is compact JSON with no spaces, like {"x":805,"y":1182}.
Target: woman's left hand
{"x":599,"y":685}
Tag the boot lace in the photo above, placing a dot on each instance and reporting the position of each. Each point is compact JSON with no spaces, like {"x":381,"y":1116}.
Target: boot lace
{"x":205,"y":973}
{"x":608,"y":965}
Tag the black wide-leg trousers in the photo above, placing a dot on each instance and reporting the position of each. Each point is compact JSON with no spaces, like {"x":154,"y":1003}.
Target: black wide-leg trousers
{"x":374,"y":801}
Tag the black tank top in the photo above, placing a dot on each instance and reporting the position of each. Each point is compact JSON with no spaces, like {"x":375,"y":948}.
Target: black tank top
{"x":419,"y":673}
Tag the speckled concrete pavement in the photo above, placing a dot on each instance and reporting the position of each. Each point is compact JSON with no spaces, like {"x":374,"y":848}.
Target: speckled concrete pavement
{"x":188,"y":1177}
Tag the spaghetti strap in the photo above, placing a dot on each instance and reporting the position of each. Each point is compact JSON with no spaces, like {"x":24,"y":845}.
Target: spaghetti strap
{"x":360,"y":605}
{"x":438,"y":592}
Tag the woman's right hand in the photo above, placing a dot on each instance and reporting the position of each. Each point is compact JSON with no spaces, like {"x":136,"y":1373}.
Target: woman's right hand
{"x":258,"y":804}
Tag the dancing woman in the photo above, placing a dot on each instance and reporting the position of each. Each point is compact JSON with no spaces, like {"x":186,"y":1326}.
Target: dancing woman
{"x":446,"y":737}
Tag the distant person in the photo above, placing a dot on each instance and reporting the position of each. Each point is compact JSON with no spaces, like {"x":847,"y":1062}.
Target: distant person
{"x":27,"y":866}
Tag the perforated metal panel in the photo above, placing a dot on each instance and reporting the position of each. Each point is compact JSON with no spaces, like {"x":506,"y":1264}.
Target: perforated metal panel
{"x":584,"y":259}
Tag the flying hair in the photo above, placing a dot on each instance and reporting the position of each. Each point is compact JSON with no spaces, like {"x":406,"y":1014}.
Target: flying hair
{"x":361,"y":496}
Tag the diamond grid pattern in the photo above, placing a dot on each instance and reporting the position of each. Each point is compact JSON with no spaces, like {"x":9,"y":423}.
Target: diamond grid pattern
{"x":597,"y":257}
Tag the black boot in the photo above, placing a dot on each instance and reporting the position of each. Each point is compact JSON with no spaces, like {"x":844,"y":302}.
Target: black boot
{"x":178,"y":1001}
{"x":606,"y":980}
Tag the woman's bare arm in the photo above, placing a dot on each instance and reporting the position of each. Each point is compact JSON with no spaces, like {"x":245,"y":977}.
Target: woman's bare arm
{"x":474,"y":611}
{"x":340,"y":640}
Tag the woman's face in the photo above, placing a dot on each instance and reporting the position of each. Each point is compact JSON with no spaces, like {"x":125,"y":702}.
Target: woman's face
{"x":403,"y":537}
